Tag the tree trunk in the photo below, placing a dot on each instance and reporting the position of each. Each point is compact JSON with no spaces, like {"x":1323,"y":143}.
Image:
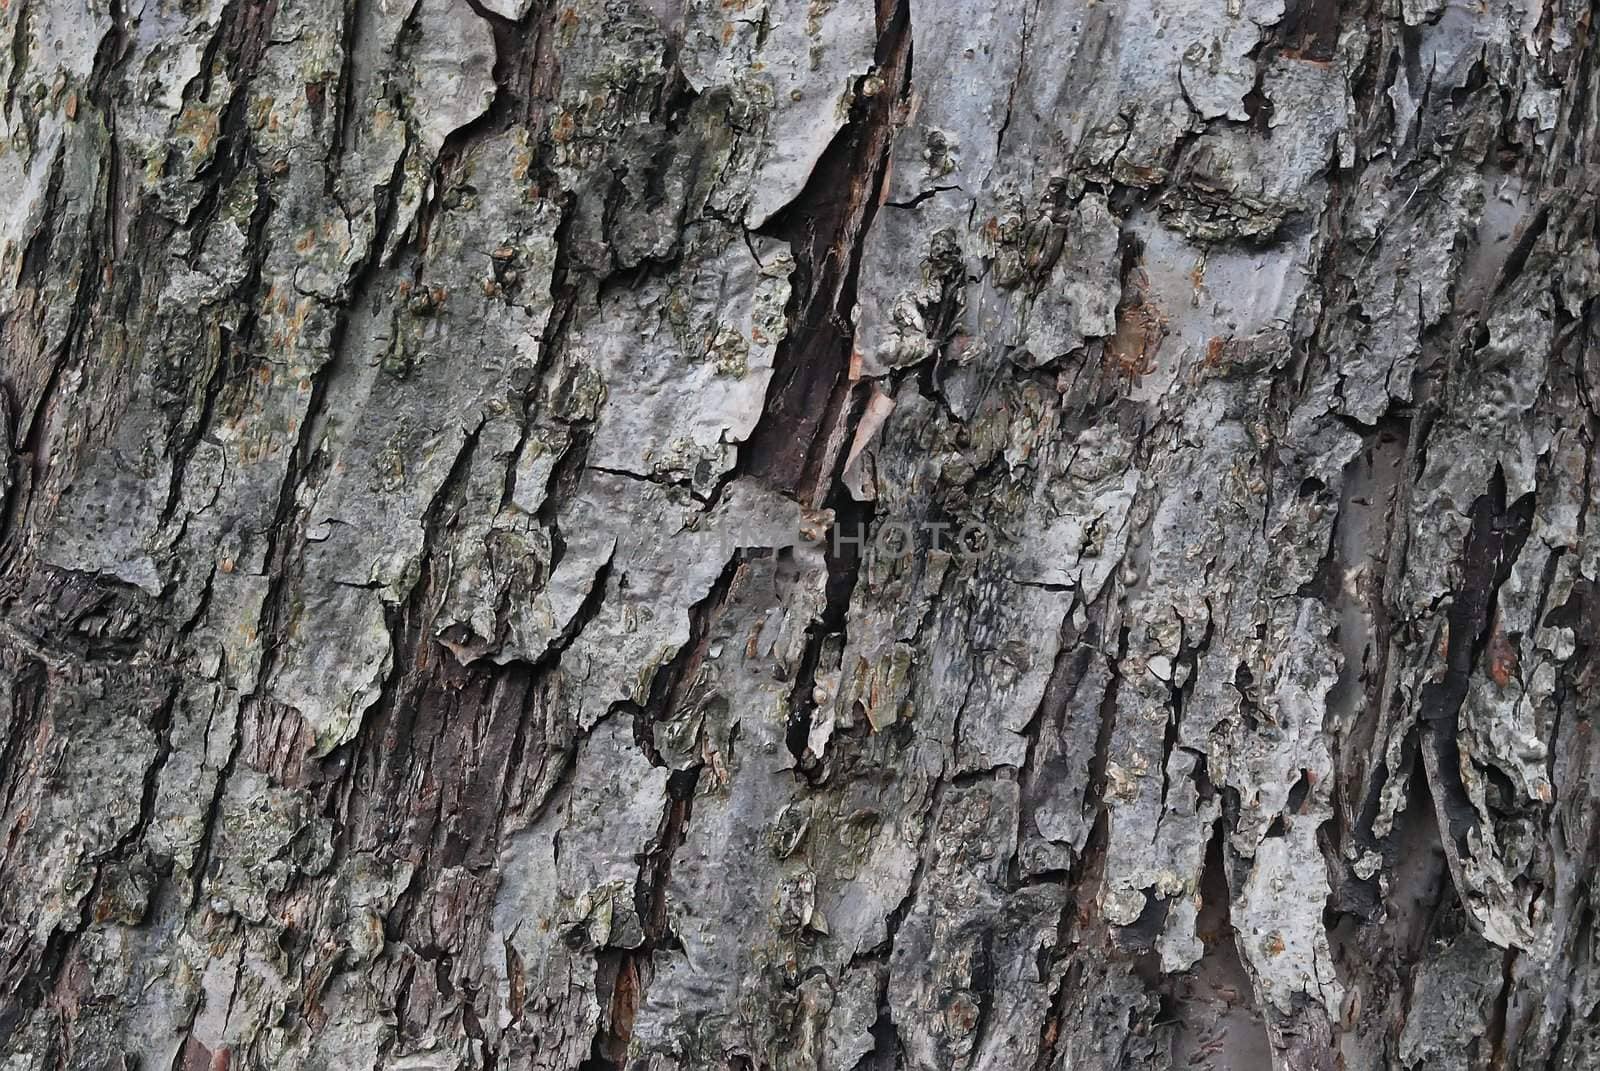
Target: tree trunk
{"x":1025,"y":535}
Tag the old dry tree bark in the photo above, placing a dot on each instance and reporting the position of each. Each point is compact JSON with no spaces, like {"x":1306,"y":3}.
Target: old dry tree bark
{"x":437,"y":432}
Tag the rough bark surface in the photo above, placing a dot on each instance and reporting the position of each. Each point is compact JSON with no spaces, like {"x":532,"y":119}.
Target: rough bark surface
{"x":1025,"y":535}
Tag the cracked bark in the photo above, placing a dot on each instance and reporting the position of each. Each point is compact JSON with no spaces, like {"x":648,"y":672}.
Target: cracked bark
{"x":434,"y":439}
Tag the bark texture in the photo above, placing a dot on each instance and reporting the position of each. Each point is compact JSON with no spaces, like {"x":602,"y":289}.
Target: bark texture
{"x":1022,"y":535}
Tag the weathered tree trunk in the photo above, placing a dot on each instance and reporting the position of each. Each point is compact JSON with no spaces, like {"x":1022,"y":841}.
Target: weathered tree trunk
{"x":1004,"y":534}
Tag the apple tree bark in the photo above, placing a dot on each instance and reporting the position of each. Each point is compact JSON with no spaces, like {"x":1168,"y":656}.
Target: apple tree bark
{"x":1044,"y":535}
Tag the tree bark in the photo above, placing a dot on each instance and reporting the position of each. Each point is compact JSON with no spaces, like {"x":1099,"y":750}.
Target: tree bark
{"x":1043,"y":535}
